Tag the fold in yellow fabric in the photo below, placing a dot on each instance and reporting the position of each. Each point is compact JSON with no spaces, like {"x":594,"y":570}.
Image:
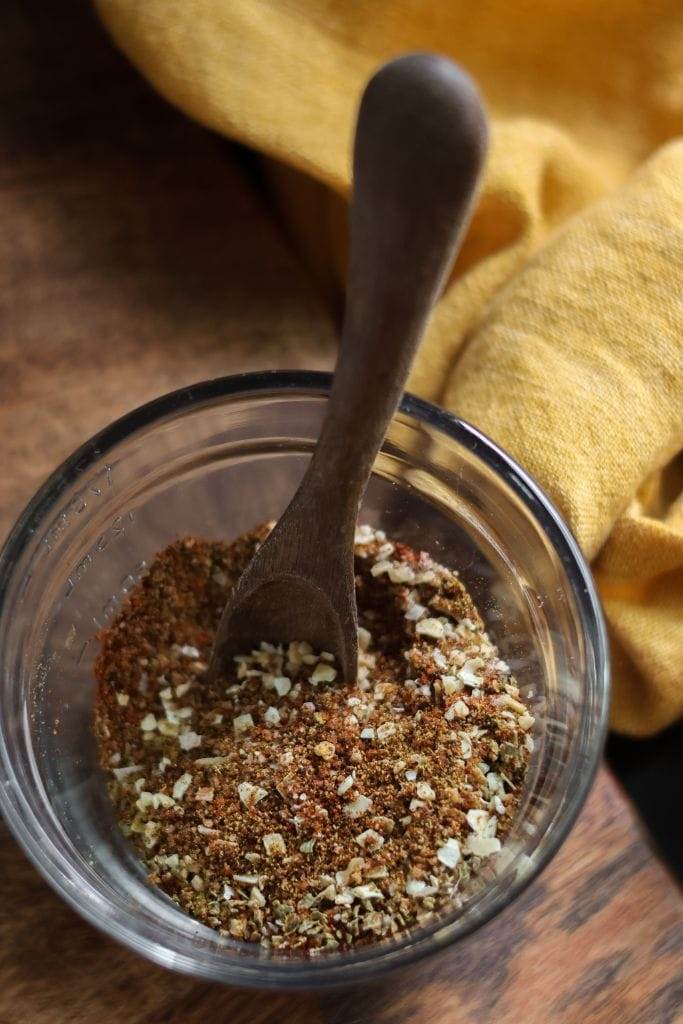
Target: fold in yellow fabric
{"x":560,"y":333}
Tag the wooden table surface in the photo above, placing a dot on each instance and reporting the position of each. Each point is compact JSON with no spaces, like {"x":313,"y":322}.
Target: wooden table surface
{"x":136,"y":256}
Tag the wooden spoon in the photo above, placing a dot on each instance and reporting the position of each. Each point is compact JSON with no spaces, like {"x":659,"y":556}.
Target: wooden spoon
{"x":420,"y":143}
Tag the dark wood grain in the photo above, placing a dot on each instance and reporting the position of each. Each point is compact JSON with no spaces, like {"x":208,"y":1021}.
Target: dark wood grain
{"x":419,"y":147}
{"x":135,"y":257}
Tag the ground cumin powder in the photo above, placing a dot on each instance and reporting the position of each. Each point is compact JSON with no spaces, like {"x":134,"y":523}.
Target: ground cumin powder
{"x":284,"y":806}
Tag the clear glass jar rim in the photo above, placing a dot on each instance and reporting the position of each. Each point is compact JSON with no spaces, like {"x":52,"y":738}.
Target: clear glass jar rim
{"x":372,"y":960}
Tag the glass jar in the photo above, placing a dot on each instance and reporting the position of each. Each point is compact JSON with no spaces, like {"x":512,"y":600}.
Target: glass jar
{"x":213,"y":460}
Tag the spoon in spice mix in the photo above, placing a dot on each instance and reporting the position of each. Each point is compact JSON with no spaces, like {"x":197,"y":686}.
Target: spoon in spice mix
{"x":419,"y":146}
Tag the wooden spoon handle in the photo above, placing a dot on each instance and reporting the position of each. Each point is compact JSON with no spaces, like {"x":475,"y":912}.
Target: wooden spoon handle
{"x":420,"y":144}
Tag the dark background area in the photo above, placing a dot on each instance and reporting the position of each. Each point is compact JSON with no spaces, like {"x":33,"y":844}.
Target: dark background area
{"x":651,"y":772}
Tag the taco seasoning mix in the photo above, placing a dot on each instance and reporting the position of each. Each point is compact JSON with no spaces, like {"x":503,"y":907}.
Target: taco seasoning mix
{"x":285,"y":806}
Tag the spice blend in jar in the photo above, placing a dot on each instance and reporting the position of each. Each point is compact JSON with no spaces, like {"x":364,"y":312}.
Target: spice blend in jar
{"x":283,"y":805}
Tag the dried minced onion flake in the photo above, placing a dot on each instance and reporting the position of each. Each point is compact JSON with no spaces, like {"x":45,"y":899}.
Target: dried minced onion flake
{"x":399,"y":573}
{"x":498,"y":805}
{"x":424,"y":791}
{"x":430,"y":627}
{"x":153,"y":800}
{"x":451,"y":684}
{"x":381,"y":567}
{"x":271,"y":716}
{"x":505,"y":700}
{"x":458,"y":709}
{"x":181,"y":786}
{"x":122,"y":773}
{"x":167,"y":728}
{"x":471,"y":672}
{"x":274,"y":844}
{"x":250,"y":794}
{"x":419,"y":888}
{"x":494,"y":783}
{"x":188,"y":651}
{"x":356,"y":808}
{"x":478,"y":820}
{"x":449,"y":854}
{"x":323,"y":674}
{"x":256,"y":897}
{"x":482,"y":846}
{"x":189,"y":740}
{"x":370,"y":839}
{"x":415,"y":612}
{"x":282,"y":685}
{"x":364,"y":639}
{"x":242,"y":724}
{"x":346,"y":784}
{"x":367,"y":892}
{"x":385,"y":731}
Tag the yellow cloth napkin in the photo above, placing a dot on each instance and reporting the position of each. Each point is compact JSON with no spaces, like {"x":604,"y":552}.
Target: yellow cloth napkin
{"x":560,"y":332}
